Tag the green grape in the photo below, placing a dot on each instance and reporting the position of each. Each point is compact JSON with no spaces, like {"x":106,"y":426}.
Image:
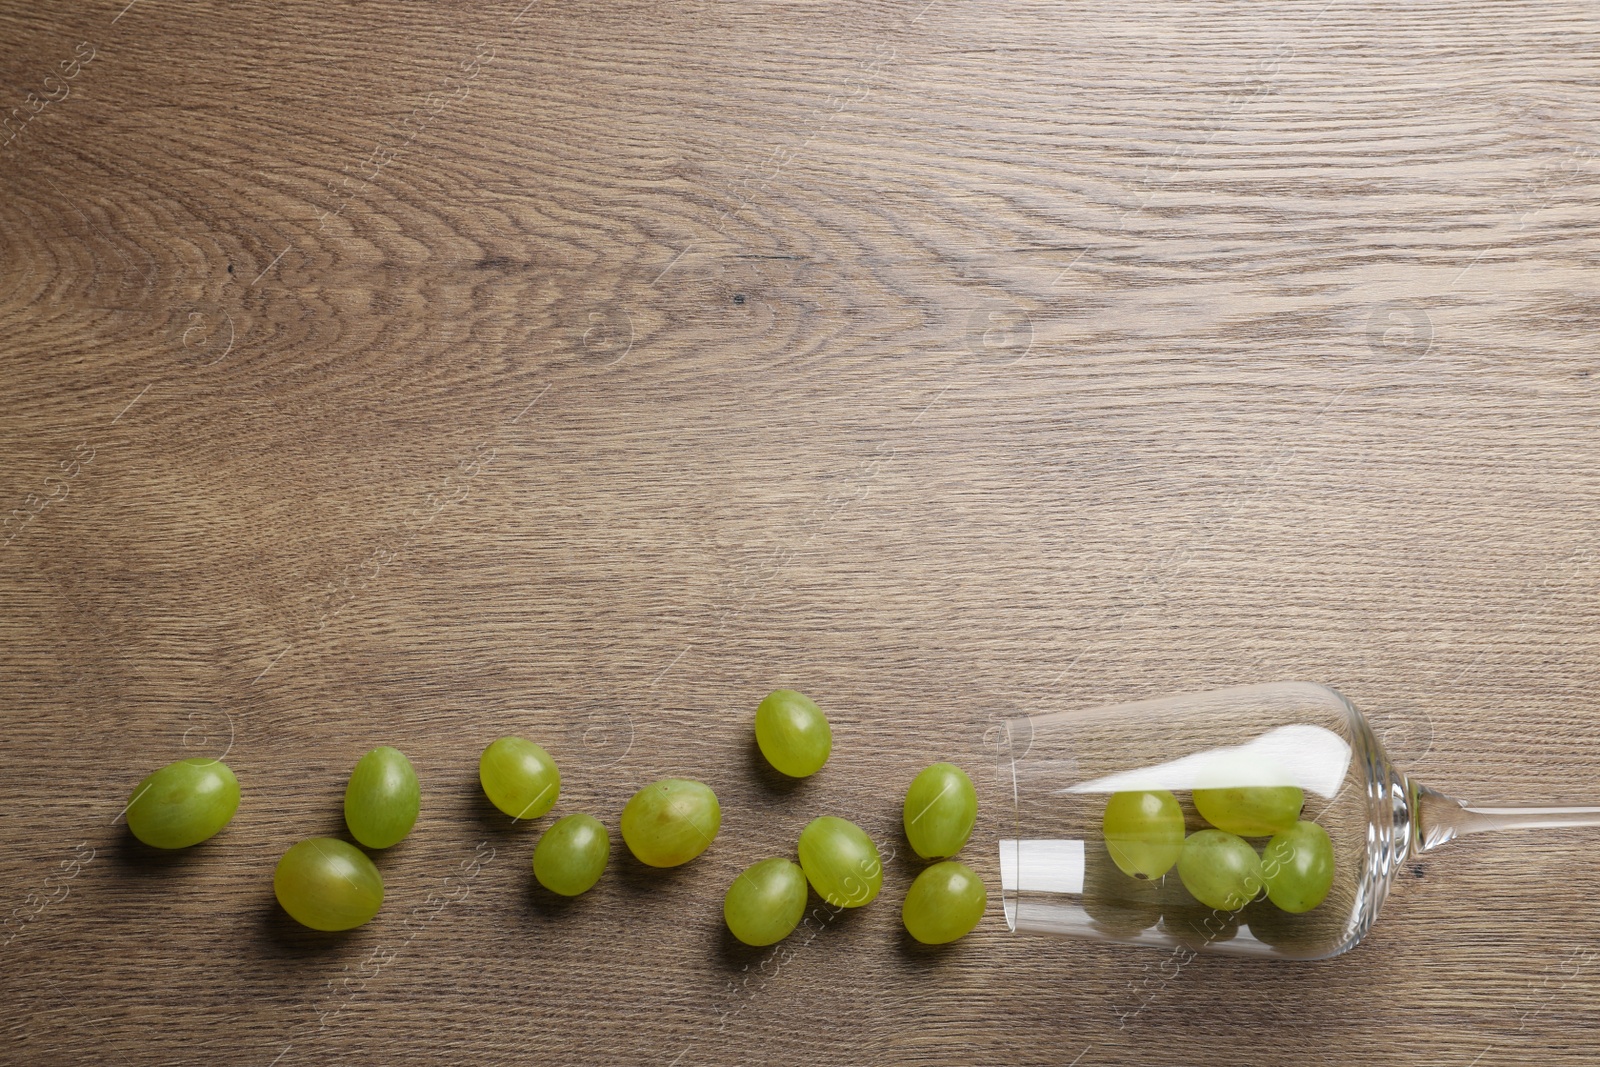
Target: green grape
{"x":671,"y":821}
{"x":940,"y":808}
{"x":571,"y":855}
{"x":1250,"y":811}
{"x":1144,"y":831}
{"x":328,"y":884}
{"x":1220,"y":870}
{"x":519,"y":777}
{"x":1298,"y":867}
{"x":793,"y":733}
{"x":764,"y":904}
{"x":183,"y":803}
{"x":944,"y":903}
{"x":841,"y":862}
{"x":383,"y":798}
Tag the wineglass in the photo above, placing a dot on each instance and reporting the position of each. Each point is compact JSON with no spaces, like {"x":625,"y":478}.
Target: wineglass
{"x":1058,"y":875}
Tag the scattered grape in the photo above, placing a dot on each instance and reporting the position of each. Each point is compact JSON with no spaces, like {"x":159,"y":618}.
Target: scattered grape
{"x":183,"y":803}
{"x":940,"y":808}
{"x":571,"y":855}
{"x":1298,"y":867}
{"x":519,"y":777}
{"x":1220,"y":870}
{"x":383,"y":798}
{"x":944,"y":903}
{"x":764,"y":904}
{"x":328,"y":884}
{"x":671,"y":821}
{"x":793,"y":733}
{"x":1144,"y":831}
{"x":841,"y":862}
{"x":1250,"y":811}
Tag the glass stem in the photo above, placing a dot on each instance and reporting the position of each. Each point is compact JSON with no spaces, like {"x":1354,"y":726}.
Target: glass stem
{"x":1441,"y":819}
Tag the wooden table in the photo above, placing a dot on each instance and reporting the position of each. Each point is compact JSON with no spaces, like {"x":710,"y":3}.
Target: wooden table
{"x":418,"y":374}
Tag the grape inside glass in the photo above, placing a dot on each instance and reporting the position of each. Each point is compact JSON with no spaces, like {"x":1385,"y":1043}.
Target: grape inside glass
{"x":1249,"y":750}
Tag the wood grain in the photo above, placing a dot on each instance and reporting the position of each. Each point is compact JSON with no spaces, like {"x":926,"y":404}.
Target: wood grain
{"x":416,"y":374}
